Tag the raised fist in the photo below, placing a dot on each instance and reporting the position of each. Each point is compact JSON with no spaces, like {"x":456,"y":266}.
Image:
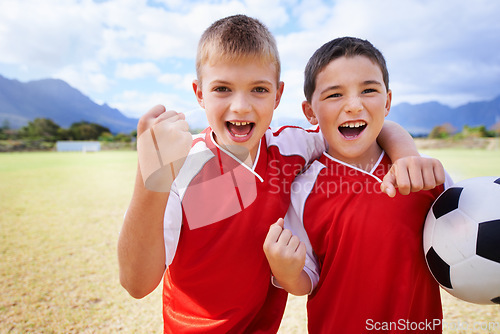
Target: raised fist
{"x":163,"y":143}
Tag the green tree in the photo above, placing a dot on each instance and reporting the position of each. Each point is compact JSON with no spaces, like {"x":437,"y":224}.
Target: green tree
{"x":86,"y":131}
{"x":123,"y":138}
{"x":64,"y":134}
{"x":106,"y":136}
{"x":4,"y":129}
{"x":40,"y":129}
{"x":496,"y":129}
{"x":442,"y":131}
{"x":478,"y":131}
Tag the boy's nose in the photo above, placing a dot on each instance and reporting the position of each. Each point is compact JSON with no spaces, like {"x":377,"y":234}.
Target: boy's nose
{"x":353,"y":104}
{"x":240,"y":104}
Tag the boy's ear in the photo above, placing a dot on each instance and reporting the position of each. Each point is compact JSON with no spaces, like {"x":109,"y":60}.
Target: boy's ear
{"x":198,"y":92}
{"x":388,"y":102}
{"x":279,"y":93}
{"x":309,"y":113}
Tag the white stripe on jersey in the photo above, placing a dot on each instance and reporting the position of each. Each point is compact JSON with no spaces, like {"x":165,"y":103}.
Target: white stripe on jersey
{"x":297,"y":141}
{"x":301,"y":188}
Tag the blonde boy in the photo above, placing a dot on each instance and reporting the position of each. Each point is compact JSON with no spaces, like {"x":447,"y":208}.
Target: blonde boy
{"x":205,"y":237}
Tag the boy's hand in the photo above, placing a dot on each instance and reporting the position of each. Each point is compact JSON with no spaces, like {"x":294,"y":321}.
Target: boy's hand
{"x":158,"y":114}
{"x":163,"y":143}
{"x":285,"y":253}
{"x":411,"y":174}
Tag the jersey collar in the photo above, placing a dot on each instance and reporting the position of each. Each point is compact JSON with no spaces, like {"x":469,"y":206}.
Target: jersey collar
{"x":216,"y":148}
{"x":328,"y":160}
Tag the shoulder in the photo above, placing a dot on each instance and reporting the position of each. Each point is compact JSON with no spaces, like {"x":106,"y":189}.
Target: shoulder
{"x":310,"y":172}
{"x":294,"y":140}
{"x":290,"y":132}
{"x":305,"y":182}
{"x":199,"y":139}
{"x":195,"y":163}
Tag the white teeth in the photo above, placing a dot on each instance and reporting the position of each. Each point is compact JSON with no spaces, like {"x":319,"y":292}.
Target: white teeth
{"x":352,"y":124}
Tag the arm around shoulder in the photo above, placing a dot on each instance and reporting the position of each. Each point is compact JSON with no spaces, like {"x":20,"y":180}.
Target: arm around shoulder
{"x":396,"y":141}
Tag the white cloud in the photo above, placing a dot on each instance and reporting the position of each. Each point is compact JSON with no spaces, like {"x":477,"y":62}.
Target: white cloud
{"x":135,"y":103}
{"x":312,"y":13}
{"x":434,"y":50}
{"x":46,"y":35}
{"x":274,"y":16}
{"x":178,"y":81}
{"x":172,"y":3}
{"x":136,"y":71}
{"x":293,"y":95}
{"x":88,"y":81}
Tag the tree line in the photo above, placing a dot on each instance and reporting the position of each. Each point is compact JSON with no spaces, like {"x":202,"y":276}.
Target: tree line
{"x":43,"y":133}
{"x":46,"y":130}
{"x":449,"y":131}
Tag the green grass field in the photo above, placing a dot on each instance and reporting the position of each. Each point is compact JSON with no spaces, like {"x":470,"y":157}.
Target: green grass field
{"x":60,"y":215}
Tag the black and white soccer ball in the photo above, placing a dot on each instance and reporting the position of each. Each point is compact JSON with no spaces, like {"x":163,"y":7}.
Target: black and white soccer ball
{"x":462,"y":240}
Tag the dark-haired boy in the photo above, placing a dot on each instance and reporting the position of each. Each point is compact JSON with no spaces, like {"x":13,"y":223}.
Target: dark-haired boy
{"x":365,"y":268}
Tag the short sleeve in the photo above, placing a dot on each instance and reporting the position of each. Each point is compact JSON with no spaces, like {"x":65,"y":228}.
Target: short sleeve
{"x":293,"y":140}
{"x":295,"y":224}
{"x":172,"y":223}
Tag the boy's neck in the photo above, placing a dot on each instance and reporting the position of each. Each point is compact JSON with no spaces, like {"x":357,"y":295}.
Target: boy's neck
{"x":366,"y":161}
{"x":239,"y":152}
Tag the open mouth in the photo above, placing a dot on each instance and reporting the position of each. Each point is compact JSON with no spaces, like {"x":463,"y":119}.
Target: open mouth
{"x":351,"y":130}
{"x":239,"y":129}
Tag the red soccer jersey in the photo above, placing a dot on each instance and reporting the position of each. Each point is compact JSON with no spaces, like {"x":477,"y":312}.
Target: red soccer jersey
{"x":373,"y":277}
{"x":217,"y":217}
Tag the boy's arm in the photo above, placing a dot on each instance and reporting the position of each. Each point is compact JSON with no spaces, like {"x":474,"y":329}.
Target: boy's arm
{"x":410,"y":172}
{"x":396,"y":141}
{"x":286,"y":255}
{"x":141,"y":247}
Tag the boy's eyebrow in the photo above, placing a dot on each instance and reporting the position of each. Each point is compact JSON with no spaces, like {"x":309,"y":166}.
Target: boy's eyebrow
{"x":330,"y":88}
{"x":372,"y":82}
{"x":224,"y":82}
{"x":258,"y":82}
{"x":219,"y":82}
{"x":365,"y":83}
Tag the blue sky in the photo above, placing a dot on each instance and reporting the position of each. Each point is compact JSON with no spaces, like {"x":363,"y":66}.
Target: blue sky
{"x":134,"y":54}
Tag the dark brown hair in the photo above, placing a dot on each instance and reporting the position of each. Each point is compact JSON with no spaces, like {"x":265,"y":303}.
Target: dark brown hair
{"x":341,"y":47}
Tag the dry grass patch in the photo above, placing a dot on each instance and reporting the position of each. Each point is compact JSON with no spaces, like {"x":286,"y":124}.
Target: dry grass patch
{"x":60,"y":215}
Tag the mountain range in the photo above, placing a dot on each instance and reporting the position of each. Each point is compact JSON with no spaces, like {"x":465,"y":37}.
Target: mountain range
{"x":58,"y":101}
{"x":55,"y":99}
{"x":420,"y":119}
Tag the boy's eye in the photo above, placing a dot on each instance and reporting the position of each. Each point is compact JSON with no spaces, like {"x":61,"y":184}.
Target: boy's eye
{"x":334,"y":95}
{"x":261,"y":90}
{"x":369,"y":90}
{"x":221,"y":89}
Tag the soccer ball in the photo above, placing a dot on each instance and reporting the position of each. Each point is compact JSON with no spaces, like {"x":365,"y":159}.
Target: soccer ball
{"x":462,"y":240}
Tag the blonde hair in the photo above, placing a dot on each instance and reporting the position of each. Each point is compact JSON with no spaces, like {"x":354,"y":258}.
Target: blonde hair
{"x":235,"y":38}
